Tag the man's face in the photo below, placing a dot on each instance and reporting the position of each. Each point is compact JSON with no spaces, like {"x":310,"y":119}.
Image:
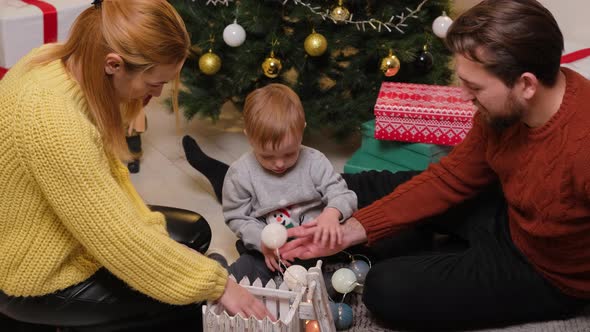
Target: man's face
{"x":498,"y":104}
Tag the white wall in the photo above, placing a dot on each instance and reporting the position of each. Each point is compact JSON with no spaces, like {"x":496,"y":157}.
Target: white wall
{"x":573,"y":17}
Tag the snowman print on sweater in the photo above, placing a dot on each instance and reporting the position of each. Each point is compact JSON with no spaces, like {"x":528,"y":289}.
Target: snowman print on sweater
{"x":282,"y":216}
{"x":287,"y":216}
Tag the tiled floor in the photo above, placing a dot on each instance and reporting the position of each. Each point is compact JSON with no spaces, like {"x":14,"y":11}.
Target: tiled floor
{"x":166,"y":178}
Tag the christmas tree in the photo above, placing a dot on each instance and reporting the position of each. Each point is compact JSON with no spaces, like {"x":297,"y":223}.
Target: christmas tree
{"x":333,"y":53}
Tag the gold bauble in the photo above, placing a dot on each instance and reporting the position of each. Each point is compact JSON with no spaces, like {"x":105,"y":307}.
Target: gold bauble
{"x":315,"y":44}
{"x":209,"y":63}
{"x":340,"y":13}
{"x":271,"y":66}
{"x":390,"y":65}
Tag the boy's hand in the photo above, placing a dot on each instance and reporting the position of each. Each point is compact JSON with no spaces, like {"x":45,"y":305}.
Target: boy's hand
{"x":270,"y":257}
{"x":328,"y":228}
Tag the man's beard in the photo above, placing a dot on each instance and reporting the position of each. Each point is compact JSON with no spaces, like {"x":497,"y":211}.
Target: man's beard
{"x":499,"y":123}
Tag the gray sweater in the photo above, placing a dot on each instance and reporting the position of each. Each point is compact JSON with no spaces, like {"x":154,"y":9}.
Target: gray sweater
{"x":253,"y":196}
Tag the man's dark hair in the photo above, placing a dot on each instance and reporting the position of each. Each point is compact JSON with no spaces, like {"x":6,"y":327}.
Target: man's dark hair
{"x":509,"y":37}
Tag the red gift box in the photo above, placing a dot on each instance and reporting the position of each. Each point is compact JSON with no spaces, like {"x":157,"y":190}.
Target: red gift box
{"x":422,"y":113}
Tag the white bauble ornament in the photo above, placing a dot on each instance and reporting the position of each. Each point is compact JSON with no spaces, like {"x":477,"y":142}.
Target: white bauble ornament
{"x":234,"y":35}
{"x":274,"y":235}
{"x":344,"y":281}
{"x":295,"y":275}
{"x":441,"y":25}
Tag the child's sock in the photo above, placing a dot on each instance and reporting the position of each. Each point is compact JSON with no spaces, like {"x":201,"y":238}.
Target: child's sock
{"x":213,"y":169}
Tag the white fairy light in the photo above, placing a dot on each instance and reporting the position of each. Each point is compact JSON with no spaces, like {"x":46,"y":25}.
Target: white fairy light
{"x":216,"y":2}
{"x":374,"y":23}
{"x":397,"y":22}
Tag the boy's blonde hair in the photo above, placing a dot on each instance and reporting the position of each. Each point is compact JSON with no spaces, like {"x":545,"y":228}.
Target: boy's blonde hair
{"x":145,"y":33}
{"x":272,"y":113}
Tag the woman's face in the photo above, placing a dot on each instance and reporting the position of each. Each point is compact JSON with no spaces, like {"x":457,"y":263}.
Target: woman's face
{"x":144,"y":84}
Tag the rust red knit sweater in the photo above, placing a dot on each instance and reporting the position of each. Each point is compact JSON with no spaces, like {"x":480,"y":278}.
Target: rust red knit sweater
{"x":545,"y":176}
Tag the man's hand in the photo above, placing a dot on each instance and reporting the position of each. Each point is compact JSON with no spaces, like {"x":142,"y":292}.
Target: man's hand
{"x":237,"y":300}
{"x":304,"y":247}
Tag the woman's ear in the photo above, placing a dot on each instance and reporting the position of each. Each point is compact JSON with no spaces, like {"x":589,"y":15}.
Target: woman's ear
{"x":113,"y":64}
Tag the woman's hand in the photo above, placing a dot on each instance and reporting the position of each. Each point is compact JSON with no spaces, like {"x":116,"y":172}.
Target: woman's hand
{"x":237,"y":300}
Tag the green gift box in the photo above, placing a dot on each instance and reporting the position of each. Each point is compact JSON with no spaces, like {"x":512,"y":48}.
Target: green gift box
{"x":414,"y":156}
{"x":394,"y":156}
{"x":362,"y":161}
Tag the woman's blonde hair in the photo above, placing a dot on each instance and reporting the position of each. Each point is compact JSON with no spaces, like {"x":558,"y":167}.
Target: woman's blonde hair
{"x":271,"y":113}
{"x":144,"y":33}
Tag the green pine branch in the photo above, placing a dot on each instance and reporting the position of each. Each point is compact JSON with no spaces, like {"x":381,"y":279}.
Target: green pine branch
{"x":339,"y":88}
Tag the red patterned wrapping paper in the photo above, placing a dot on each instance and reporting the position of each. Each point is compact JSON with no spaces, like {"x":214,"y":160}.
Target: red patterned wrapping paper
{"x":422,"y":113}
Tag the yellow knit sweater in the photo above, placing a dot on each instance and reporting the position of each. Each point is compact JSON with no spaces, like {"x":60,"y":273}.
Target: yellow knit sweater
{"x":68,"y":208}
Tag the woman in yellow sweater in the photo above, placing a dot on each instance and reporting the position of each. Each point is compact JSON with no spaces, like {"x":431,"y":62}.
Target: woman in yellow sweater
{"x":78,"y":245}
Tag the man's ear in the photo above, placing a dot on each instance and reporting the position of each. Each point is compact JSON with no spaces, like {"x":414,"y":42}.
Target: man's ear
{"x":113,"y":63}
{"x":527,"y":85}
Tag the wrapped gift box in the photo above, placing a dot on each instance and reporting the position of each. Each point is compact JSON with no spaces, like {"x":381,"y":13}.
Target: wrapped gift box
{"x":414,"y":156}
{"x":577,"y":57}
{"x":422,"y":113}
{"x":26,"y":24}
{"x":362,"y":161}
{"x":390,"y":155}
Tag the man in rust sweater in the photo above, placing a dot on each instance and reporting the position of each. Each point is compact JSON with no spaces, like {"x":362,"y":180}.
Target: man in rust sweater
{"x":516,"y":190}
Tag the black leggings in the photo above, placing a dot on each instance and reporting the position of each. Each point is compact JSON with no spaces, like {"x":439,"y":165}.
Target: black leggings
{"x":105,"y":303}
{"x":486,"y":282}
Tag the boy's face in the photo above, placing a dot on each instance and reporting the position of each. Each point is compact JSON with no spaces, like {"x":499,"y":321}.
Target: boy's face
{"x":282,"y":158}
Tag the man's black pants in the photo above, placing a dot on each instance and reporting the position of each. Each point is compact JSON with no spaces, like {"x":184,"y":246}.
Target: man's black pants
{"x":487,"y":282}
